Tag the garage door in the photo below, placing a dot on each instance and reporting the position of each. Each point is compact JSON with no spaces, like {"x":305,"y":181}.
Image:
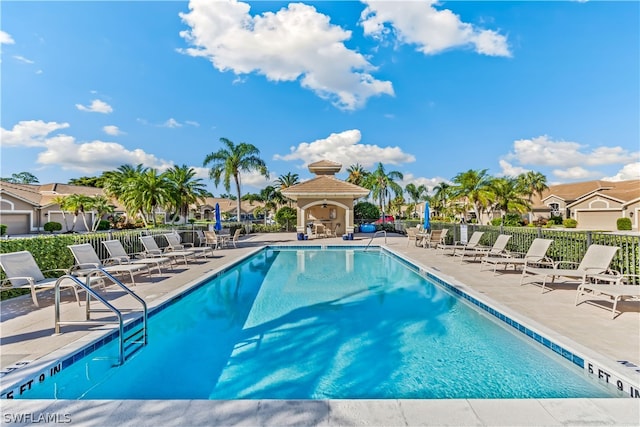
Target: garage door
{"x":598,"y":220}
{"x":16,"y":223}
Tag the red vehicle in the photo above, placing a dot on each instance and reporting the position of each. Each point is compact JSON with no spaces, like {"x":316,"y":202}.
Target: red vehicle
{"x":387,"y":218}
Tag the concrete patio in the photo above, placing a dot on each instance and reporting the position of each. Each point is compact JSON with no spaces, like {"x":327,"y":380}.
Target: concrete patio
{"x":26,"y":335}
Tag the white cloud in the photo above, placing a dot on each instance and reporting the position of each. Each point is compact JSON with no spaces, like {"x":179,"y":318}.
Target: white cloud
{"x":543,"y":151}
{"x":629,"y":171}
{"x":509,"y":170}
{"x":29,"y":133}
{"x":95,"y":156}
{"x":171,"y":123}
{"x":432,"y":30}
{"x":575,"y":173}
{"x":193,"y":123}
{"x":345,"y":148}
{"x":21,"y":58}
{"x":97,"y":106}
{"x":295,"y":43}
{"x":5,"y":38}
{"x":112,"y":130}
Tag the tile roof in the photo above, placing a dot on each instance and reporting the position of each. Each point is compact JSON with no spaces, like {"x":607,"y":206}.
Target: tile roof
{"x":621,"y":190}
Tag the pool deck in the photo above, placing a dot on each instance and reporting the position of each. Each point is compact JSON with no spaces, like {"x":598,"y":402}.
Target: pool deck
{"x":26,"y":334}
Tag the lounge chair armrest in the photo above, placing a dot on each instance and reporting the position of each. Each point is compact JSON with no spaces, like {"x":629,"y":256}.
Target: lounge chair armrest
{"x":564,"y":263}
{"x":9,"y":279}
{"x":154,"y":252}
{"x":516,"y":254}
{"x":56,"y":270}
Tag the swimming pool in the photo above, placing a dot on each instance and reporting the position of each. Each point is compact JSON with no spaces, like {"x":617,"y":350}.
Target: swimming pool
{"x":324,"y":323}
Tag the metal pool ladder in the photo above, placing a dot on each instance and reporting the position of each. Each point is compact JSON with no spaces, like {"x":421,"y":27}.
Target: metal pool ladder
{"x":135,"y":339}
{"x":374,"y":235}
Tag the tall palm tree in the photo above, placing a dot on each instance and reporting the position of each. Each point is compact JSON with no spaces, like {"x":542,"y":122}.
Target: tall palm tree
{"x":119,"y":183}
{"x":382,"y":185}
{"x":473,"y":188}
{"x":59,"y":200}
{"x":441,"y":197}
{"x":285,"y":181}
{"x":357,"y":174}
{"x":78,"y":204}
{"x":230,"y":162}
{"x":531,"y":183}
{"x":417,"y":194}
{"x":507,"y":197}
{"x":151,"y":190}
{"x":102,"y":206}
{"x":186,"y":188}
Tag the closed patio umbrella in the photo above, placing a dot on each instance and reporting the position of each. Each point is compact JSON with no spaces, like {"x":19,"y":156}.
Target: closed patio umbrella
{"x":427,"y":221}
{"x":218,"y":225}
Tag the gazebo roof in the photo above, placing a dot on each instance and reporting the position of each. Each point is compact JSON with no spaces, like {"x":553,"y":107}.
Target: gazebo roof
{"x":324,"y":186}
{"x":325,"y":167}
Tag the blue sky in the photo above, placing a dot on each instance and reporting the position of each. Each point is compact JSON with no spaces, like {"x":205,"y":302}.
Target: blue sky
{"x":429,"y":89}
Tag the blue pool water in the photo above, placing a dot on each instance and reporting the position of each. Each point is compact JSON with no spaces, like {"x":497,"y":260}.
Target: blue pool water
{"x":316,"y":324}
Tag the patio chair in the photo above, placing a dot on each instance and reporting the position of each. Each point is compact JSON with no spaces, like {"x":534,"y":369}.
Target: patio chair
{"x":474,"y":241}
{"x":118,"y":254}
{"x":616,"y":290}
{"x":23,"y":272}
{"x":499,"y":248}
{"x":536,"y":254}
{"x":214,"y":240}
{"x":87,"y":260}
{"x":595,"y":261}
{"x":151,"y":249}
{"x":175,"y":245}
{"x":236,"y":237}
{"x":412,"y":235}
{"x":435,"y":238}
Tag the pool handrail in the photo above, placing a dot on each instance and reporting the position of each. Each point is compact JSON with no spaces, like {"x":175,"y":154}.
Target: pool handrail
{"x":374,"y":235}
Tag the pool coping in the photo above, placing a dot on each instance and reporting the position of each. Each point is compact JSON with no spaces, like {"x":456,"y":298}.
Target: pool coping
{"x":25,"y":374}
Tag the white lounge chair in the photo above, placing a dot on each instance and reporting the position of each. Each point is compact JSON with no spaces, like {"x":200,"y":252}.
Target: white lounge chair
{"x":119,"y":255}
{"x":87,"y":260}
{"x":536,"y":254}
{"x":474,"y":241}
{"x":151,"y":249}
{"x":595,"y":261}
{"x":173,"y":240}
{"x":499,"y":248}
{"x":616,"y":290}
{"x":23,"y":272}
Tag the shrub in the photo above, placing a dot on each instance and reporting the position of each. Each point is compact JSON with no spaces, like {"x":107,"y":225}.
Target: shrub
{"x":623,"y":223}
{"x":364,"y":211}
{"x":496,"y":222}
{"x":570,"y":223}
{"x":104,"y":225}
{"x":52,"y":226}
{"x":557,"y":220}
{"x":3,"y":229}
{"x":287,"y":217}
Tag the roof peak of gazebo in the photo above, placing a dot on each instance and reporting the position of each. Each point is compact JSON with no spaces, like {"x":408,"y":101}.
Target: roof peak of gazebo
{"x":325,"y":167}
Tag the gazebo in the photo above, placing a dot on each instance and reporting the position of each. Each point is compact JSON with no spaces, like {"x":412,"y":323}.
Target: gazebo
{"x":325,"y":200}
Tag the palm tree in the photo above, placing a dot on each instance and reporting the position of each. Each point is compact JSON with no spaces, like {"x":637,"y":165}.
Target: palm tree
{"x":286,"y":181}
{"x":531,"y":183}
{"x":102,"y":206}
{"x":151,"y":190}
{"x":357,"y":174}
{"x":78,"y":204}
{"x":60,"y":201}
{"x":473,"y":187}
{"x":382,"y":184}
{"x":231,"y":162}
{"x":507,"y":197}
{"x":186,"y":188}
{"x":417,"y":194}
{"x":441,"y":197}
{"x":119,"y":183}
